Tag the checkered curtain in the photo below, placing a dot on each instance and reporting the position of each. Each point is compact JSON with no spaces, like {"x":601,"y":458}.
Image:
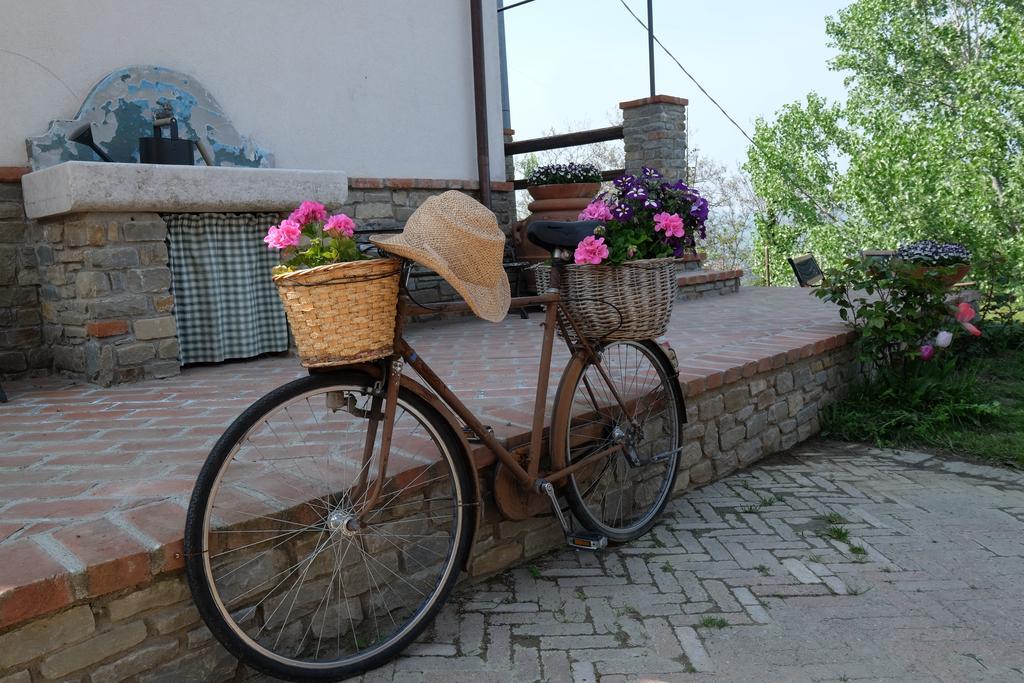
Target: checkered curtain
{"x":225,"y":303}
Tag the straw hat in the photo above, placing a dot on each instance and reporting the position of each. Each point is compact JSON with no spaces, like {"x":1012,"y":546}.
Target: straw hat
{"x":459,"y":239}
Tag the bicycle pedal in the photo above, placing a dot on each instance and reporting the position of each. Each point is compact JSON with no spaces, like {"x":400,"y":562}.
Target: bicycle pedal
{"x":582,"y":540}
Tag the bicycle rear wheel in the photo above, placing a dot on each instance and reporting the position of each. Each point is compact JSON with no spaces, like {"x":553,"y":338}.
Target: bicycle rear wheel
{"x":620,"y":496}
{"x":282,"y":567}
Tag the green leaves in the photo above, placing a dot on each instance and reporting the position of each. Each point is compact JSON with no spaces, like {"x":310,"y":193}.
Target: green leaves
{"x":928,"y":143}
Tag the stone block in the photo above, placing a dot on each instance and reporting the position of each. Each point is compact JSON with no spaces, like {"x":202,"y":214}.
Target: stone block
{"x":161,"y":369}
{"x":806,"y":413}
{"x":711,"y":407}
{"x":796,"y":402}
{"x":135,"y":354}
{"x":93,"y":650}
{"x":375,"y":210}
{"x":702,"y":472}
{"x":784,"y":382}
{"x":736,"y":398}
{"x":116,"y":257}
{"x":495,"y":559}
{"x":119,"y":306}
{"x":159,"y":594}
{"x":756,"y":424}
{"x":212,"y":663}
{"x":724,"y":463}
{"x":690,"y":455}
{"x":139,"y":660}
{"x":731,"y":437}
{"x":8,"y":265}
{"x":541,"y":540}
{"x":169,"y":621}
{"x":787,"y":426}
{"x":757,"y":386}
{"x":168,"y":348}
{"x":69,"y":358}
{"x":151,"y":254}
{"x":45,"y":635}
{"x":13,"y":361}
{"x":12,"y":232}
{"x":149,"y":279}
{"x":19,"y":677}
{"x":749,"y":451}
{"x":163,"y":304}
{"x":148,"y":229}
{"x":90,"y":284}
{"x":765,"y":399}
{"x":155,"y":328}
{"x":9,"y":209}
{"x":778,"y":412}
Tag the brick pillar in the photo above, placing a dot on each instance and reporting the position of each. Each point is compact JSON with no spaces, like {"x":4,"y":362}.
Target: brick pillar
{"x":654,"y":131}
{"x":105,"y":297}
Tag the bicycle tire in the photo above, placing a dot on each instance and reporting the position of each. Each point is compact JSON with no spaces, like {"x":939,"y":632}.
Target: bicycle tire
{"x":584,"y":422}
{"x":229,"y":624}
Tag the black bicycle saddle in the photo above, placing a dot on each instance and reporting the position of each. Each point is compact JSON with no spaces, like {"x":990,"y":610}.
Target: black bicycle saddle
{"x":552,"y":235}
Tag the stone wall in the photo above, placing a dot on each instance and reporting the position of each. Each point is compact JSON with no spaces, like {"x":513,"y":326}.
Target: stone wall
{"x":654,"y":134}
{"x":21,"y":347}
{"x":153,"y":632}
{"x":107,"y":309}
{"x":698,"y":284}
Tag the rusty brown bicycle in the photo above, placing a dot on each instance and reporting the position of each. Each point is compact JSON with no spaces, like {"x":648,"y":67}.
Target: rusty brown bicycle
{"x":331,"y":520}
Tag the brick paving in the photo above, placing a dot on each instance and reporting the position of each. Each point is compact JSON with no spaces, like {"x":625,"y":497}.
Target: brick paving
{"x":928,"y":587}
{"x":94,"y":481}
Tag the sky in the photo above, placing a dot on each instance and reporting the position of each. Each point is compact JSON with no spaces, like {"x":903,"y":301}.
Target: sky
{"x":570,"y":62}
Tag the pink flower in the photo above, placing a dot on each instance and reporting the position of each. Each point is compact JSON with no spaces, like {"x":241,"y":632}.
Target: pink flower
{"x":283,"y":236}
{"x":591,"y":250}
{"x":340,"y":225}
{"x":671,"y":223}
{"x":927,"y":351}
{"x":943,"y":339}
{"x":309,"y":212}
{"x":972,"y":329}
{"x":596,"y":210}
{"x":964,"y":313}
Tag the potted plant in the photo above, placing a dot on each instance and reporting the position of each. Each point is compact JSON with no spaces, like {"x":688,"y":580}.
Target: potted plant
{"x":622,"y":284}
{"x":564,"y":181}
{"x":927,"y":258}
{"x":326,"y":283}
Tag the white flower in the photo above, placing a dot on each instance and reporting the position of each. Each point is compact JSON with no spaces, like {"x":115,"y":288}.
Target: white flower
{"x":943,"y":339}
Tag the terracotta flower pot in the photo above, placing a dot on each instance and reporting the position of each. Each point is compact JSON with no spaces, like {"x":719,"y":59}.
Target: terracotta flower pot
{"x":564,"y":191}
{"x":950,"y":275}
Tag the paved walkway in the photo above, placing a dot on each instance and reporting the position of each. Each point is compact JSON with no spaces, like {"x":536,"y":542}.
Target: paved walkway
{"x":929,"y":586}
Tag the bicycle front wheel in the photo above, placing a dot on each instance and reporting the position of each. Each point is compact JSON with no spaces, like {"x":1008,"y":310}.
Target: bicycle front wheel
{"x":288,"y":567}
{"x":620,"y":496}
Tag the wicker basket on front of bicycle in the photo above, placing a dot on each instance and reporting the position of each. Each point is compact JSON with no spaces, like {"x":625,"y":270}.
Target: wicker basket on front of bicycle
{"x":631,"y":301}
{"x":343,"y":312}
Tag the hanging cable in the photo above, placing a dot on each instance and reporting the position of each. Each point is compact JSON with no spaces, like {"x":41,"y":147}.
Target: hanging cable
{"x":807,"y":195}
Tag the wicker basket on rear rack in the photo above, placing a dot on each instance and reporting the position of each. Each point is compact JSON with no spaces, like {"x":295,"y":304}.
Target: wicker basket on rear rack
{"x":342,"y":313}
{"x":630,"y":301}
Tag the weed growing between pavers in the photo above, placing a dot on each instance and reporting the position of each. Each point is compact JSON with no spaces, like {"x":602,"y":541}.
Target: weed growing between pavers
{"x":713,"y":622}
{"x":837,"y":533}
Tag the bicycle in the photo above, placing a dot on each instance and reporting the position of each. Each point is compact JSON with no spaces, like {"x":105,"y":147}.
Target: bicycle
{"x":331,"y":520}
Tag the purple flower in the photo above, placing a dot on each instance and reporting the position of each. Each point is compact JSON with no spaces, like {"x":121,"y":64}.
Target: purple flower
{"x":622,"y":212}
{"x":652,"y":203}
{"x":624,"y":181}
{"x":650,"y":172}
{"x":638,"y":192}
{"x":699,"y":210}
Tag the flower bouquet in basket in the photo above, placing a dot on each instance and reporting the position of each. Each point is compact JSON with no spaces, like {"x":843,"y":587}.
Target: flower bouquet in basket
{"x":340,"y":304}
{"x":622,"y":285}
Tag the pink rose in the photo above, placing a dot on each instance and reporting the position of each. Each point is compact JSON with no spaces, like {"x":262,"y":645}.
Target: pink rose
{"x":671,"y":223}
{"x":309,"y":212}
{"x":596,"y":210}
{"x":927,"y":351}
{"x":340,"y":225}
{"x":591,"y":250}
{"x":283,"y":236}
{"x":964,"y":313}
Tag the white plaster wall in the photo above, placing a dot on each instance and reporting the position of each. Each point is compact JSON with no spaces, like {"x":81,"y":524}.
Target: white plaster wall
{"x":378,"y":88}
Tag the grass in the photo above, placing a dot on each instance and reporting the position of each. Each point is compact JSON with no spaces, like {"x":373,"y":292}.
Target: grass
{"x":713,"y":622}
{"x":858,"y":550}
{"x":534,"y":571}
{"x":763,"y":570}
{"x":834,"y":518}
{"x":837,"y":533}
{"x":666,"y":567}
{"x":978,"y":411}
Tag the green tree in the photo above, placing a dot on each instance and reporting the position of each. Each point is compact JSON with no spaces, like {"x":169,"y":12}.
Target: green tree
{"x":928,"y":143}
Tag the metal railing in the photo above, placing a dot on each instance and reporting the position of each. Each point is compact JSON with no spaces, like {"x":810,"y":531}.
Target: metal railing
{"x":583,"y":137}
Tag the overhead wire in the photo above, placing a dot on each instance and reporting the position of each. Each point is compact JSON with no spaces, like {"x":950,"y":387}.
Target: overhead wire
{"x":720,"y":108}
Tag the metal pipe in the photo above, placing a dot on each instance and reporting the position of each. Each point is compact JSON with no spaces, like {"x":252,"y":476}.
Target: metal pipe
{"x":650,"y":41}
{"x":483,"y":156}
{"x":506,"y":110}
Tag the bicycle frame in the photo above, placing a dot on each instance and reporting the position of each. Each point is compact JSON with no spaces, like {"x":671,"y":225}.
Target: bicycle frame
{"x":529,"y":476}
